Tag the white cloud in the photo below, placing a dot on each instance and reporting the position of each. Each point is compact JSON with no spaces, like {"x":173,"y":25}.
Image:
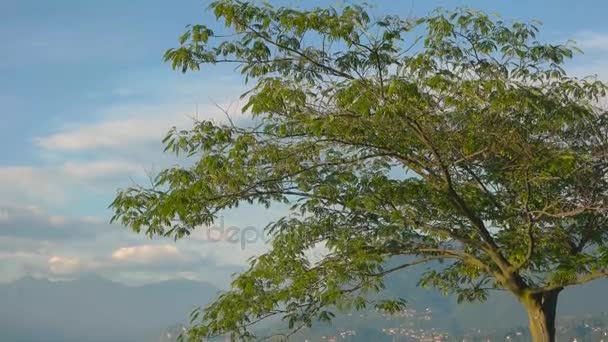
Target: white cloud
{"x":68,"y":247}
{"x":24,"y":184}
{"x":317,"y":253}
{"x":124,"y":258}
{"x":593,"y":41}
{"x":57,"y":220}
{"x":92,"y":220}
{"x":125,"y":140}
{"x":585,"y":68}
{"x":16,"y":264}
{"x":188,"y":275}
{"x":146,"y":253}
{"x":162,"y":259}
{"x":4,"y":216}
{"x":34,"y":223}
{"x":84,"y":160}
{"x":57,"y":185}
{"x":100,"y":169}
{"x":67,"y":265}
{"x":114,"y":133}
{"x":125,"y":126}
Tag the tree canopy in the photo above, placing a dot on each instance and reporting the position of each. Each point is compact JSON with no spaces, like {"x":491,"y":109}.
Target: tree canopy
{"x":457,"y":137}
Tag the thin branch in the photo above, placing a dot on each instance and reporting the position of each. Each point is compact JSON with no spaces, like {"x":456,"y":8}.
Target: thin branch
{"x":579,"y":281}
{"x":530,"y":226}
{"x":570,"y":213}
{"x":334,"y":71}
{"x":409,"y":264}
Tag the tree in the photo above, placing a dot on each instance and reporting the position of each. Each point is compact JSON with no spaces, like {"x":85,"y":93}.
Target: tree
{"x":455,"y":138}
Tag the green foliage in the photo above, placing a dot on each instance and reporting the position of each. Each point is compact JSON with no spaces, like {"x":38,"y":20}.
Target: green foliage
{"x":501,"y":159}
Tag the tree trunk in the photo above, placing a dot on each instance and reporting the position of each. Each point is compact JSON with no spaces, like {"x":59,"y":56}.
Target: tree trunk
{"x":542,"y":309}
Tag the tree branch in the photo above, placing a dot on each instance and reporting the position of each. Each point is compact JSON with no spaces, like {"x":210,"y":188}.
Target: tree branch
{"x":578,"y":281}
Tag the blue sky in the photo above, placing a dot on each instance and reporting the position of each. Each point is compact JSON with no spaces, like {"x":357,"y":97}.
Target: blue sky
{"x":85,"y":100}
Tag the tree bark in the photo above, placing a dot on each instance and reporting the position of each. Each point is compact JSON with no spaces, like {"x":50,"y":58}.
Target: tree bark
{"x":542,"y":309}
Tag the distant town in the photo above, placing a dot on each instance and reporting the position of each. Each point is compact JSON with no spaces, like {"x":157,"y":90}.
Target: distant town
{"x":405,"y":326}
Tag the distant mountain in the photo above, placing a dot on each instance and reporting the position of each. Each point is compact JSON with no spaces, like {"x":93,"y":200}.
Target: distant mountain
{"x":500,"y":311}
{"x":500,"y":314}
{"x":93,"y":308}
{"x":96,"y":309}
{"x":429,"y":310}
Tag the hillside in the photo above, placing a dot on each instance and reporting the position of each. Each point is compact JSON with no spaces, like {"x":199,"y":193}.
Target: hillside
{"x":430,"y":311}
{"x":95,"y":309}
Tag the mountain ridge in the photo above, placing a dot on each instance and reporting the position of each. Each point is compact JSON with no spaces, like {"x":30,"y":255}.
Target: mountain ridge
{"x":93,"y":308}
